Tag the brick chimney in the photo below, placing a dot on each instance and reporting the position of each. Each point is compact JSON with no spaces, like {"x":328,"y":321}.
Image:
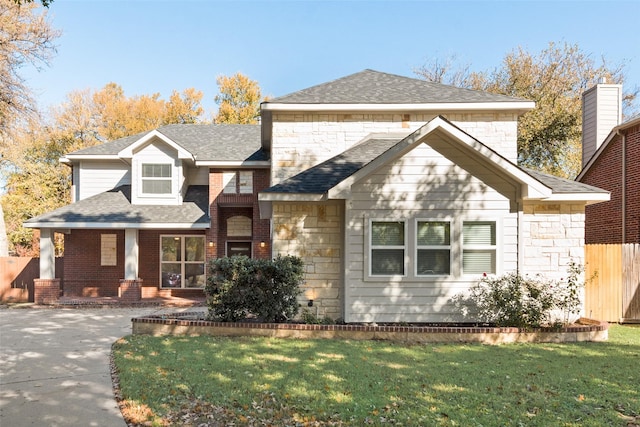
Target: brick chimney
{"x":601,"y":112}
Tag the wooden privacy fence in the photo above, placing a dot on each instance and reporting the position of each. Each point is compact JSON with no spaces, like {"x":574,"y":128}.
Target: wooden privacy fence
{"x":613,"y":292}
{"x":16,"y":278}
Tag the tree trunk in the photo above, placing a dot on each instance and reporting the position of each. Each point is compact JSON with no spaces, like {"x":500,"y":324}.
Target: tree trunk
{"x":4,"y":242}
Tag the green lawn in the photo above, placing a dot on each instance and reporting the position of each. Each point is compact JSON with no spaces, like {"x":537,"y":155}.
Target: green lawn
{"x":258,"y":381}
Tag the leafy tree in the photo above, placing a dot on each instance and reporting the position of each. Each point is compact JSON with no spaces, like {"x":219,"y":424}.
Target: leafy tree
{"x":45,"y":3}
{"x":26,"y":37}
{"x":549,"y":137}
{"x":239,"y":100}
{"x":35,"y":180}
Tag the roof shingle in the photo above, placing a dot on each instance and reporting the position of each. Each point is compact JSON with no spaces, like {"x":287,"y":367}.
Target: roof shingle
{"x":374,"y":87}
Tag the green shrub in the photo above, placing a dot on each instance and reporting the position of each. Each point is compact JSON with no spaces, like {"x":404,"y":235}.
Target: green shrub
{"x":311,"y":319}
{"x":241,"y":287}
{"x":524,"y":302}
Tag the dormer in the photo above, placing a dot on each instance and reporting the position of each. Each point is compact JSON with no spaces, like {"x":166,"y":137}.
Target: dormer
{"x":157,"y":170}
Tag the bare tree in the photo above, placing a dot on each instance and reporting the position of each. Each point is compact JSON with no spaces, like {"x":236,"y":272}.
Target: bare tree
{"x":26,"y":37}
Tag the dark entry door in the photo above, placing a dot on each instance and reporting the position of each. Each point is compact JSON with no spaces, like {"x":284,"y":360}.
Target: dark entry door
{"x":239,"y":248}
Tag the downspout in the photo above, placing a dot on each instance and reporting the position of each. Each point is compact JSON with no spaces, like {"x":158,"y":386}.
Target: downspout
{"x":624,"y":185}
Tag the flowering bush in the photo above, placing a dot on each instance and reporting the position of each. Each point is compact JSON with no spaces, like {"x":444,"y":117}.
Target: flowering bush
{"x":525,"y":302}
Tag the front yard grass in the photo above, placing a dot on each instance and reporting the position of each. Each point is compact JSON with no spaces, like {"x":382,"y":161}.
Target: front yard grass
{"x":212,"y":381}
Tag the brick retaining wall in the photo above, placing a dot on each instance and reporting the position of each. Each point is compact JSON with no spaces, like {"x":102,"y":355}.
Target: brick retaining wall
{"x":585,"y":330}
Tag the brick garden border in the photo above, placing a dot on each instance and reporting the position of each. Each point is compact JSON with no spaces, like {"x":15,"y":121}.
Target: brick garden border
{"x":180,"y":325}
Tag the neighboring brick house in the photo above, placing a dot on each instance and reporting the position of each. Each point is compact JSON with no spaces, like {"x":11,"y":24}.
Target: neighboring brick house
{"x":611,"y":162}
{"x":397,"y":193}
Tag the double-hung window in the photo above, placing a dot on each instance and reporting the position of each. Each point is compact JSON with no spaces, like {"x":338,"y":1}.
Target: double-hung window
{"x":156,"y":178}
{"x":478,"y":247}
{"x":387,"y":248}
{"x":182,"y":261}
{"x":433,"y":248}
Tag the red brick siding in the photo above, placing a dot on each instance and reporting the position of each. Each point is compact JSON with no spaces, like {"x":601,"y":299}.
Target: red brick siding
{"x":604,"y":220}
{"x":83,"y":274}
{"x":224,"y":206}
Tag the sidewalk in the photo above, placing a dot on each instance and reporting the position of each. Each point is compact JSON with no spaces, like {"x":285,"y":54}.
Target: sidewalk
{"x":54,"y":364}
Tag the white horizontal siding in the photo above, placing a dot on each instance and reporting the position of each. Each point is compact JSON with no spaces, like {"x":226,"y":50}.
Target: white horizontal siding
{"x":95,"y":177}
{"x":157,"y":152}
{"x":404,"y":190}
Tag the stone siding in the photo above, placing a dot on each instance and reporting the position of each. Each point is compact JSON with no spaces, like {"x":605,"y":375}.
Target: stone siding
{"x":301,"y":140}
{"x":553,"y":236}
{"x":314,"y":232}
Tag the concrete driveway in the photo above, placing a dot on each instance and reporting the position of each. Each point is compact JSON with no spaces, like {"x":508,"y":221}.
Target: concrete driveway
{"x":54,"y":365}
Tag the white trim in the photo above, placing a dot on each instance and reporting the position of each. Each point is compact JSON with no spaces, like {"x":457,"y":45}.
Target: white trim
{"x":127,"y":152}
{"x":291,"y":197}
{"x":234,"y":163}
{"x":370,"y":248}
{"x":499,"y":230}
{"x":69,"y":158}
{"x":183,"y":261}
{"x":575,"y":197}
{"x":116,"y":225}
{"x":532,"y":187}
{"x":448,"y":247}
{"x":520,"y":106}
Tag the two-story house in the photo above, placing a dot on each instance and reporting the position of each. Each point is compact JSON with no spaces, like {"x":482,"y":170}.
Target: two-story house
{"x":396,"y":192}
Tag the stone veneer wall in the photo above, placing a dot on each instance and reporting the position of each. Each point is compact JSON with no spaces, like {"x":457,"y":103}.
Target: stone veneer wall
{"x":301,"y":140}
{"x":314,"y":232}
{"x":553,"y":235}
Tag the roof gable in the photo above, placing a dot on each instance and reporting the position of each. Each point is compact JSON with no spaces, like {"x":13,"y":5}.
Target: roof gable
{"x":333,"y":178}
{"x":206,"y":144}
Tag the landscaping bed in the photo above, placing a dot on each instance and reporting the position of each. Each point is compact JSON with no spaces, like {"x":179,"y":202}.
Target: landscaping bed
{"x":193,"y":324}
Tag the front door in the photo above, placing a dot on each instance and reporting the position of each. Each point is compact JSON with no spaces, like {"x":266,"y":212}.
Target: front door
{"x":239,"y":248}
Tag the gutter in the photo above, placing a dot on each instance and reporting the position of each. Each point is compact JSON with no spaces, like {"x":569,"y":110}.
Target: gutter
{"x":623,"y":137}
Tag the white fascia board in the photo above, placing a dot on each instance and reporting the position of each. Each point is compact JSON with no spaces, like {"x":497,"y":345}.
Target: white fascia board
{"x":532,"y":187}
{"x":238,"y":164}
{"x":588,"y":198}
{"x":521,"y":106}
{"x":115,"y":225}
{"x":290,"y":197}
{"x":127,"y":153}
{"x":69,"y":158}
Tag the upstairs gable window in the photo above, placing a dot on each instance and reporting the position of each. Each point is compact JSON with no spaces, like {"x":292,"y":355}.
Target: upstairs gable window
{"x":237,"y":182}
{"x":156,"y":178}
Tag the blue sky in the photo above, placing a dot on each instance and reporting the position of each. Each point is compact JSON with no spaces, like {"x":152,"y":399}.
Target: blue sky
{"x":161,"y":45}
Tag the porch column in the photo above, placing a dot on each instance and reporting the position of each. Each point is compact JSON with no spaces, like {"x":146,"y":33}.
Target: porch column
{"x":130,"y":254}
{"x":47,"y":254}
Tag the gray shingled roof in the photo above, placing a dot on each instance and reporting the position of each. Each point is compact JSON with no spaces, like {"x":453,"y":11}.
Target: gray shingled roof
{"x":206,"y":142}
{"x":321,"y":178}
{"x":374,"y":87}
{"x":561,"y":185}
{"x":115,"y":207}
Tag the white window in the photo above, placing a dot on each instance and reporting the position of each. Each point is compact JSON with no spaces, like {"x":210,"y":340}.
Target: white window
{"x":156,"y":178}
{"x":387,"y":248}
{"x":433,"y":248}
{"x":479,"y":247}
{"x":237,"y":183}
{"x":229,"y":182}
{"x":108,"y":249}
{"x":182,"y":263}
